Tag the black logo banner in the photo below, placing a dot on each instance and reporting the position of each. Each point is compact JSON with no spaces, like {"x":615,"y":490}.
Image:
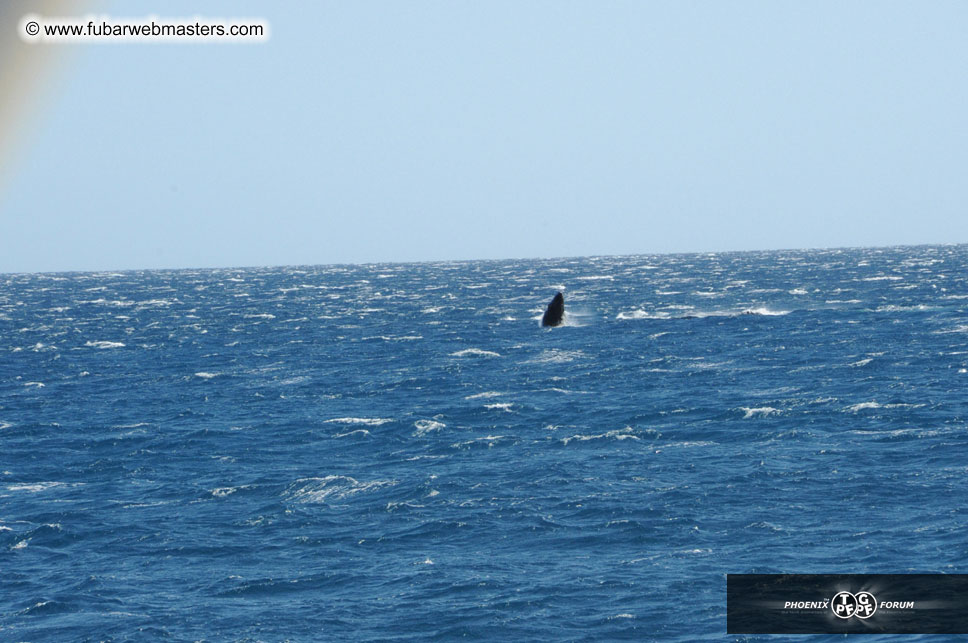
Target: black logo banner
{"x":847,"y":603}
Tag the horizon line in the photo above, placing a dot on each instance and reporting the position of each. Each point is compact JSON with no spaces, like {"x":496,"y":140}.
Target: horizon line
{"x":479,"y":260}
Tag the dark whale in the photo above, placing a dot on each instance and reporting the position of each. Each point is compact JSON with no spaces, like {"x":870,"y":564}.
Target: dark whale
{"x":555,"y":312}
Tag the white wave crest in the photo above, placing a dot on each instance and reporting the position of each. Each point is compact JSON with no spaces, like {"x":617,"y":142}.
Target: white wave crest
{"x":556,"y":356}
{"x":763,"y":310}
{"x":37,"y":487}
{"x":426,"y":426}
{"x":221,"y":492}
{"x":485,"y":394}
{"x":349,"y":433}
{"x":329,"y":488}
{"x":641,"y":314}
{"x":499,"y":406}
{"x":616,"y":434}
{"x":363,"y":421}
{"x":761,"y":411}
{"x":475,"y":352}
{"x":104,"y":344}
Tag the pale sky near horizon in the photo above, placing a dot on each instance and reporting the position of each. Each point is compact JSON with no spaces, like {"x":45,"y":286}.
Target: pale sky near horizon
{"x":412,"y":131}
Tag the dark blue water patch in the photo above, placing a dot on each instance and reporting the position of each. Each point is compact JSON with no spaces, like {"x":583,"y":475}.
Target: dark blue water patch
{"x":400,"y":452}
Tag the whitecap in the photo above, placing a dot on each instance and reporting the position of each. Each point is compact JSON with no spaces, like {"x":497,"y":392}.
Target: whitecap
{"x":426,"y":426}
{"x":37,"y":487}
{"x":333,"y":487}
{"x":499,"y":406}
{"x":616,"y":434}
{"x":206,"y":376}
{"x":863,"y":405}
{"x":104,"y":344}
{"x":895,"y":308}
{"x":762,"y":310}
{"x":349,"y":433}
{"x":762,"y":411}
{"x":491,"y":440}
{"x":484,"y":394}
{"x":475,"y":352}
{"x":556,"y":356}
{"x":641,"y":314}
{"x":363,"y":421}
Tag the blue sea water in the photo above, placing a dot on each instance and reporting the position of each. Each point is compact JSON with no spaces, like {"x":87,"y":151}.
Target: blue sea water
{"x":401,"y":452}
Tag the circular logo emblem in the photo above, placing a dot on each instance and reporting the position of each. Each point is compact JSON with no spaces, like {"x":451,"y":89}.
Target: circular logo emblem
{"x":861,"y":605}
{"x":866,"y":604}
{"x":844,"y":605}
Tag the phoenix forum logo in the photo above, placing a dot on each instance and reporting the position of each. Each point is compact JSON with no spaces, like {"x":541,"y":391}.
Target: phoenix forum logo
{"x":846,"y":605}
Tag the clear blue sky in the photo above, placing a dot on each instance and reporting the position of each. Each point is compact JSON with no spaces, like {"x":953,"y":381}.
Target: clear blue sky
{"x":402,"y":131}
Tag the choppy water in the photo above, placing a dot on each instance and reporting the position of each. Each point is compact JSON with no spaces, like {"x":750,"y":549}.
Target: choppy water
{"x":401,"y":452}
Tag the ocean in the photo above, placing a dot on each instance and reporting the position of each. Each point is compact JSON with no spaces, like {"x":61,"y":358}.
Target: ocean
{"x":400,"y":452}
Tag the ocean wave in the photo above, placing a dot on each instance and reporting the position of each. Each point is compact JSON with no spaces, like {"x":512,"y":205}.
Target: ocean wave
{"x":475,"y":352}
{"x":329,"y":488}
{"x":363,"y":421}
{"x":699,"y":314}
{"x":642,"y":314}
{"x":426,"y":426}
{"x":761,"y":411}
{"x":104,"y":344}
{"x":617,"y":434}
{"x":854,"y":408}
{"x":500,"y":406}
{"x":363,"y":432}
{"x":897,"y":308}
{"x":487,"y":440}
{"x":221,"y":492}
{"x":556,"y":356}
{"x":37,"y":487}
{"x":763,"y":310}
{"x":485,"y":394}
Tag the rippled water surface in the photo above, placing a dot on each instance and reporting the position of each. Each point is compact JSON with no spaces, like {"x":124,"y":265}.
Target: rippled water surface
{"x":402,"y":452}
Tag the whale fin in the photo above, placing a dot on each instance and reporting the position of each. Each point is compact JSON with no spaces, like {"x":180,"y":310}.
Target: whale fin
{"x":556,"y":311}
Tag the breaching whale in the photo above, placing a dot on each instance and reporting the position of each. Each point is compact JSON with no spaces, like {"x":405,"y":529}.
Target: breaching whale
{"x":555,"y":312}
